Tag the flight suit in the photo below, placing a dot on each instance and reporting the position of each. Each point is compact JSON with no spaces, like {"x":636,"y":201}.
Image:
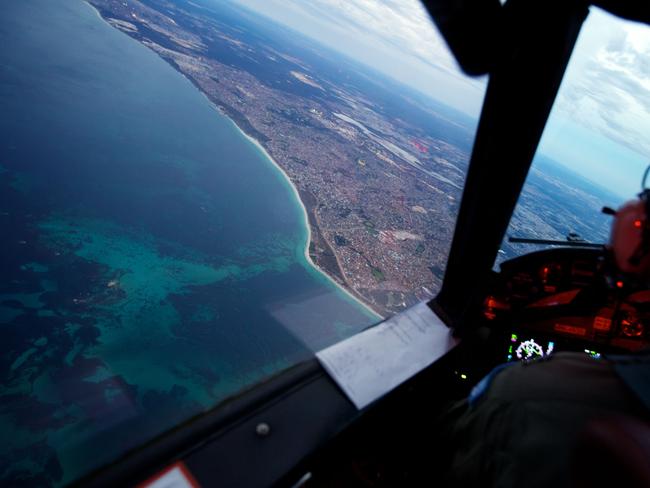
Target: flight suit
{"x":519,"y":427}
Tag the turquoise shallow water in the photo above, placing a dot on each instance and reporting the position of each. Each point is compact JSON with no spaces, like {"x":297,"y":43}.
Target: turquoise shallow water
{"x":152,"y":258}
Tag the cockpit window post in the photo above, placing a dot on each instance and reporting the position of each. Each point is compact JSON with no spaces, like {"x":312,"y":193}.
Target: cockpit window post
{"x":537,"y":42}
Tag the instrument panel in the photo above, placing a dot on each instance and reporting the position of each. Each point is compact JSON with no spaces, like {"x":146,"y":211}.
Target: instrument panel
{"x":567,"y":299}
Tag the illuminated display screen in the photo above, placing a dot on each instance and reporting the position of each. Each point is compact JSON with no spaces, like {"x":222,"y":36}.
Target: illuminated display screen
{"x":526,"y":348}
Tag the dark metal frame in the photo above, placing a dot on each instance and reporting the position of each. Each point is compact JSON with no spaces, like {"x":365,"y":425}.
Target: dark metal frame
{"x":302,"y":407}
{"x":535,"y":40}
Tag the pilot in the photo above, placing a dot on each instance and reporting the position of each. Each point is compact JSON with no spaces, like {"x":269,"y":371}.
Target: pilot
{"x":568,"y":419}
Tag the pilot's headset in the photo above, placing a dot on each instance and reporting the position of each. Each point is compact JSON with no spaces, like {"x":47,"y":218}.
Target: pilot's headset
{"x":630,"y":236}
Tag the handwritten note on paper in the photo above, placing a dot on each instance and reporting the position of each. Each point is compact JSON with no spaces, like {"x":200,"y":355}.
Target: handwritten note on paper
{"x":370,"y":364}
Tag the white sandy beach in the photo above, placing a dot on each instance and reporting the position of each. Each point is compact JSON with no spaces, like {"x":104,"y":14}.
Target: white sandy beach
{"x":306,"y":220}
{"x":254,"y":141}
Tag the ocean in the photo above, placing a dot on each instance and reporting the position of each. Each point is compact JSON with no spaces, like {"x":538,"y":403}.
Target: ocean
{"x":153,"y":259}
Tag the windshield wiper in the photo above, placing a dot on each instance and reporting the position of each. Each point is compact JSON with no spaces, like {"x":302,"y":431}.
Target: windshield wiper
{"x":572,"y":240}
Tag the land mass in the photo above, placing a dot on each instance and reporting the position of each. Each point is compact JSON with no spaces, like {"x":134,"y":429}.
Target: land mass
{"x":378,"y":167}
{"x":380,"y":187}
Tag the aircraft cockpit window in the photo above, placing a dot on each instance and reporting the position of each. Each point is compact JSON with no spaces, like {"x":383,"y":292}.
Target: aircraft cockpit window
{"x":197,"y":195}
{"x":596,"y":144}
{"x":560,"y":285}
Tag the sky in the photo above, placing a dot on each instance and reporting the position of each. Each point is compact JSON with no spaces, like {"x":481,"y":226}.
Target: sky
{"x":600,"y":125}
{"x":394,"y":36}
{"x":601,"y":119}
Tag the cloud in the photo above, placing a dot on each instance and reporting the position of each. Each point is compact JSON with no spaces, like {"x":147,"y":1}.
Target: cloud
{"x":394,"y":36}
{"x":609,"y":88}
{"x":403,"y":25}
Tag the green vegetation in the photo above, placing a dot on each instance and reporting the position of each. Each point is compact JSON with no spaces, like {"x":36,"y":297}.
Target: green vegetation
{"x":370,"y":227}
{"x":378,"y":274}
{"x":340,"y":240}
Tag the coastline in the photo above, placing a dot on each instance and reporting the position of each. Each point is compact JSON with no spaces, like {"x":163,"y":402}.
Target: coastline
{"x":97,"y":12}
{"x":296,"y":194}
{"x":293,"y":187}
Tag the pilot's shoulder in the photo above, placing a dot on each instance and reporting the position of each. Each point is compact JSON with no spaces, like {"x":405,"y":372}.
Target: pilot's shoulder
{"x":565,"y":376}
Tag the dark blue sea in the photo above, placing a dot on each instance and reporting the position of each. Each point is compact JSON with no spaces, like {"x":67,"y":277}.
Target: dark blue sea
{"x":152,"y":259}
